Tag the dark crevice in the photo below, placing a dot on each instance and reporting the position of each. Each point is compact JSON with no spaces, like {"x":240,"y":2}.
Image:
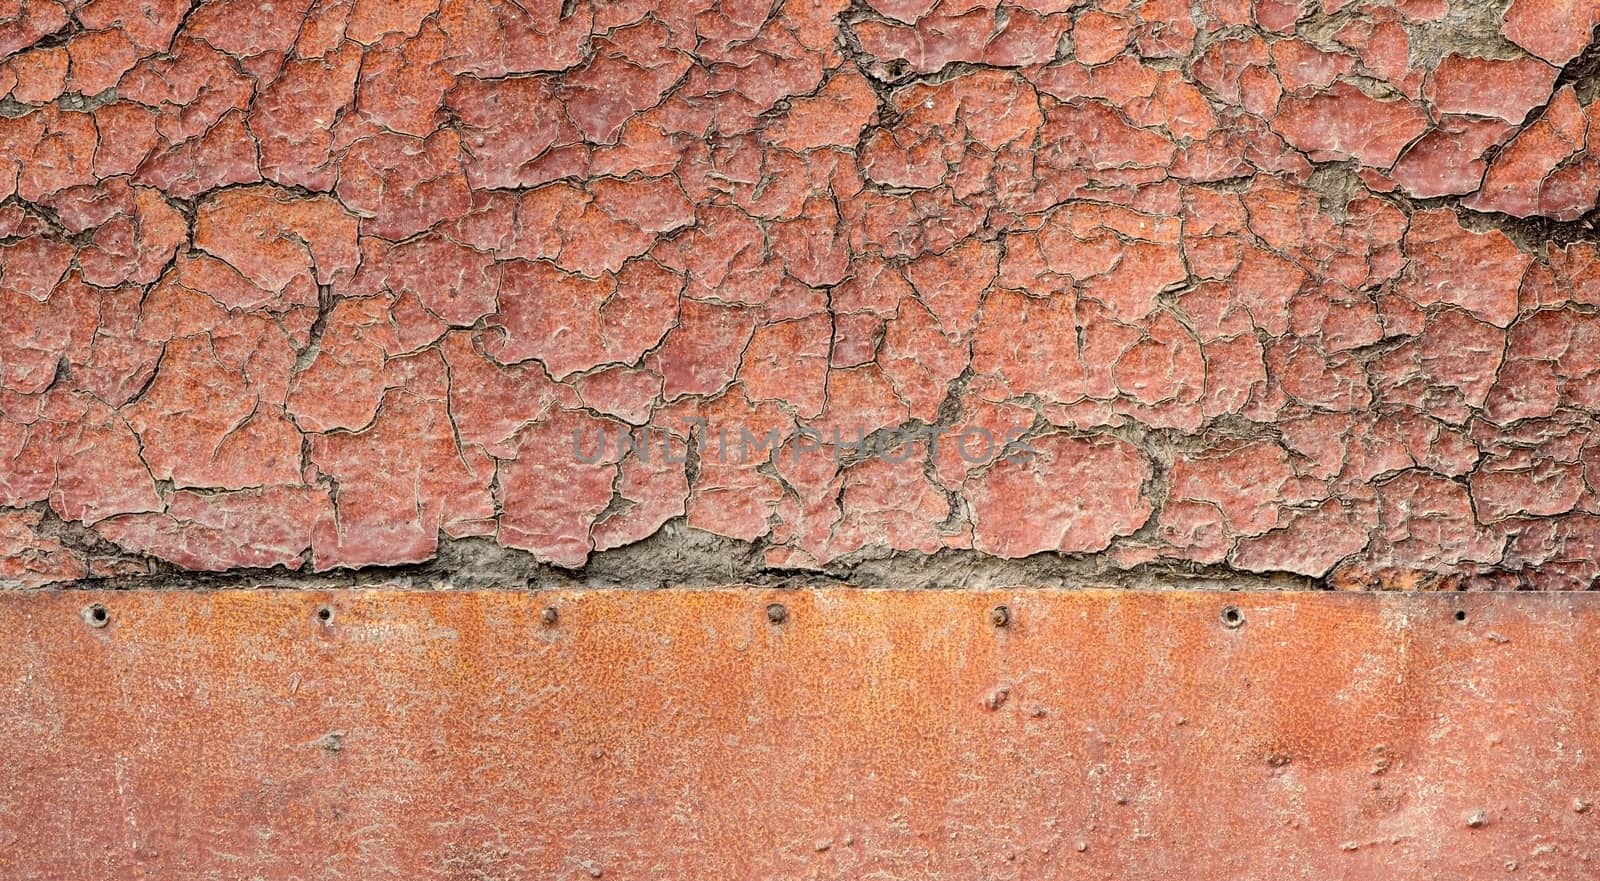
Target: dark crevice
{"x":1583,"y":72}
{"x":680,"y":556}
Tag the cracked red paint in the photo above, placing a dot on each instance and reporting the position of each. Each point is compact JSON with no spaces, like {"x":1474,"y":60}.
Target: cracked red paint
{"x":313,"y":284}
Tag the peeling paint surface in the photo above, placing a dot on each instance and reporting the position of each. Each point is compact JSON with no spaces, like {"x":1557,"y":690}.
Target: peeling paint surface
{"x":1300,"y":291}
{"x":867,"y":734}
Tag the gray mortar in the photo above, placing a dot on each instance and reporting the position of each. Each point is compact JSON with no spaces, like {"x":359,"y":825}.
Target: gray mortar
{"x":681,"y":556}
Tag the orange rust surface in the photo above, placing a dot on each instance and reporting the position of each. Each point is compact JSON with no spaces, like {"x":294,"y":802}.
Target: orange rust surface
{"x":873,"y":735}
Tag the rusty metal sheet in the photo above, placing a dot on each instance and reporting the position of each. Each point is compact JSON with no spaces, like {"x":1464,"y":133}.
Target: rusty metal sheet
{"x":838,"y":734}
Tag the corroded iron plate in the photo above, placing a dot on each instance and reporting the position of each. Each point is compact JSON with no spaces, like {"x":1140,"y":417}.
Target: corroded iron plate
{"x":863,"y":734}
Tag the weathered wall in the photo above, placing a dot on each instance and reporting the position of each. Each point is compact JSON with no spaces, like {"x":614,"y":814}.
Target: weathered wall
{"x":1272,"y":291}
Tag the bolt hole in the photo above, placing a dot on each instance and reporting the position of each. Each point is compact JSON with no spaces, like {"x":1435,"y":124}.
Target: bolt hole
{"x":777,"y":614}
{"x":96,"y":615}
{"x":325,"y":614}
{"x":1232,"y":618}
{"x":1000,"y":616}
{"x":1461,"y":614}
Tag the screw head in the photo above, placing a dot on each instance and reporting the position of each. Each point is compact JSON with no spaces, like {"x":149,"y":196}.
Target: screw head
{"x":1000,"y":616}
{"x":777,"y":613}
{"x":549,"y":616}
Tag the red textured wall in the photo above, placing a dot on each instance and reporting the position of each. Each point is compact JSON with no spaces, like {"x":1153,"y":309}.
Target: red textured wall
{"x":1285,"y":287}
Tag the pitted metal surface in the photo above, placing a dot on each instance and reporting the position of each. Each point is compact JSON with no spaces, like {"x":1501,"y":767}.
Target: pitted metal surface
{"x":752,"y":733}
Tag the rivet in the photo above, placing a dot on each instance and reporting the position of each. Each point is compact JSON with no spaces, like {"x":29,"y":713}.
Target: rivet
{"x":776,"y":613}
{"x":1000,"y":616}
{"x":549,"y":616}
{"x":96,"y":615}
